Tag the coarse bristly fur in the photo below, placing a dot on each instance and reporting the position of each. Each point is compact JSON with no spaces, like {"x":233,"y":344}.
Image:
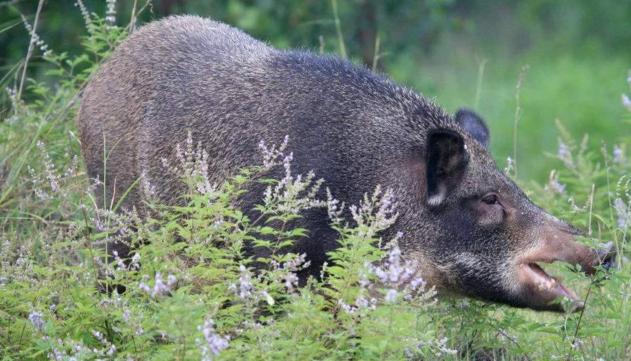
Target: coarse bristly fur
{"x":354,"y":128}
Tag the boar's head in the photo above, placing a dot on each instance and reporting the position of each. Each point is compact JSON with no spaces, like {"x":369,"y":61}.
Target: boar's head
{"x":481,"y":235}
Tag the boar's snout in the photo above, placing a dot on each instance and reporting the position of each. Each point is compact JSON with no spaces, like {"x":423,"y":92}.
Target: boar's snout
{"x":557,"y":242}
{"x":560,"y":241}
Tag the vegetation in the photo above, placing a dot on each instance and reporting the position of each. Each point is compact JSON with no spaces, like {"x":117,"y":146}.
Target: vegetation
{"x":189,"y":291}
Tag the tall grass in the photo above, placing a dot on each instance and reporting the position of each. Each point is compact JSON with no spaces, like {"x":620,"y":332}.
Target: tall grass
{"x":189,"y":290}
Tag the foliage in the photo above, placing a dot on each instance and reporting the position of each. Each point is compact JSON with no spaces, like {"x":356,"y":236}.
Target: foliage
{"x":189,"y":291}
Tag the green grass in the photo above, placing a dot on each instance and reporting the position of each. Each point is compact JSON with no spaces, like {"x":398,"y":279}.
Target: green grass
{"x":192,"y":269}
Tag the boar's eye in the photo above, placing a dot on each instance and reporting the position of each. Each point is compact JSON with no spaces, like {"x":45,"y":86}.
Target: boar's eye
{"x":491,"y":198}
{"x":490,"y":210}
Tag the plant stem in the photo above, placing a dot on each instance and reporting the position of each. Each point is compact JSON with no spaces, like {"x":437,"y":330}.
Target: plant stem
{"x":478,"y":88}
{"x":338,"y":29}
{"x":29,"y":52}
{"x":520,"y":80}
{"x":375,"y":57}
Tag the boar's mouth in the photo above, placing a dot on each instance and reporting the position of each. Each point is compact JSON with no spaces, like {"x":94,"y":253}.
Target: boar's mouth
{"x":542,"y":290}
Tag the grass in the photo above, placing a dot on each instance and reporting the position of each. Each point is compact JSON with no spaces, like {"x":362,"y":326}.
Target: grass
{"x":201,"y":299}
{"x":580,"y":89}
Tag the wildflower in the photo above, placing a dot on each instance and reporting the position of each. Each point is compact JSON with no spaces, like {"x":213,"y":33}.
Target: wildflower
{"x":268,"y":298}
{"x":12,"y":94}
{"x":86,"y":15}
{"x":290,"y":268}
{"x":135,"y":261}
{"x":334,"y":208}
{"x":437,"y":345}
{"x":553,"y":183}
{"x":35,"y":39}
{"x":160,"y":287}
{"x":272,"y":154}
{"x":72,"y":169}
{"x":565,"y":155}
{"x":292,"y":194}
{"x":126,"y":315}
{"x":192,"y":167}
{"x":384,"y":217}
{"x":37,"y":320}
{"x":463,"y":304}
{"x":291,"y":281}
{"x":557,"y":187}
{"x":346,"y":307}
{"x":577,"y":343}
{"x":120,"y":264}
{"x":385,"y":210}
{"x":618,"y":155}
{"x":622,"y":212}
{"x":214,"y":343}
{"x":393,"y":270}
{"x":363,"y":302}
{"x":110,"y":14}
{"x":391,"y":296}
{"x":400,"y":277}
{"x":417,"y":283}
{"x":297,"y":263}
{"x":148,"y":190}
{"x":510,"y":165}
{"x":51,"y":180}
{"x":36,"y":181}
{"x":246,"y":288}
{"x":442,"y":347}
{"x":111,"y":349}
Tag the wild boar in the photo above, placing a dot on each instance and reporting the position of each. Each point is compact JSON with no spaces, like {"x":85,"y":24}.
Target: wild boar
{"x":471,"y":227}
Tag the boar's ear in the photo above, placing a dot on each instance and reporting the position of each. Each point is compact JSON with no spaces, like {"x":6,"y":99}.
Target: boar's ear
{"x":474,"y":125}
{"x":447,"y":159}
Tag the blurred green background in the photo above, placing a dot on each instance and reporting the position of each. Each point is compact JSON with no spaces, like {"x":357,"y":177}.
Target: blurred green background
{"x":458,"y":52}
